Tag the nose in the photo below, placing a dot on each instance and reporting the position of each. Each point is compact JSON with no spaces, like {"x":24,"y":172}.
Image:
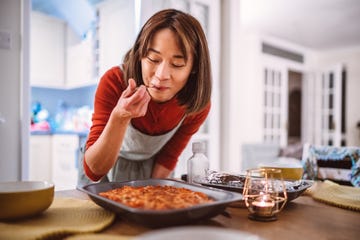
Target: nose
{"x":163,"y":71}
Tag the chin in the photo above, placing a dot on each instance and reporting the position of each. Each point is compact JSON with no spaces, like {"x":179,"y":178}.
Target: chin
{"x":160,"y":99}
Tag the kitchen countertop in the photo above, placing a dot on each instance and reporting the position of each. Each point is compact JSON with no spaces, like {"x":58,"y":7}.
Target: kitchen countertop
{"x":51,"y":132}
{"x":302,"y":218}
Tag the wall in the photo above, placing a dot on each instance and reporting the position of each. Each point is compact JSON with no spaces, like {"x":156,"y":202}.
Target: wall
{"x":229,"y":37}
{"x":240,"y":87}
{"x":116,"y":18}
{"x":14,"y":91}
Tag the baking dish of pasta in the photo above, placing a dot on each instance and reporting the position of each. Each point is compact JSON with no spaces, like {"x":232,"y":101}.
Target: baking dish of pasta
{"x":160,"y":202}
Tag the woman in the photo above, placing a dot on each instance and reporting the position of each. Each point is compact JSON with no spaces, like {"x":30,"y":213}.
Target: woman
{"x":147,"y":109}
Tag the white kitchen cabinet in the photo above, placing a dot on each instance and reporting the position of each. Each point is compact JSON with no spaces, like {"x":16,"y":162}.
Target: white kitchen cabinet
{"x":59,"y":58}
{"x":79,"y":60}
{"x":54,"y":158}
{"x":40,"y":158}
{"x":65,"y":161}
{"x":47,"y":50}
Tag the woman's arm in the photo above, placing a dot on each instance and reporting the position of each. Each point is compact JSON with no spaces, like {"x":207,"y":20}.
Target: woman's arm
{"x":159,"y":171}
{"x":102,"y":154}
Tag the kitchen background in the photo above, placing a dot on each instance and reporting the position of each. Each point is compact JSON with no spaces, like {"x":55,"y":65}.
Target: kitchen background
{"x":267,"y":57}
{"x":57,"y":110}
{"x":60,"y":122}
{"x":62,"y":88}
{"x":72,"y":43}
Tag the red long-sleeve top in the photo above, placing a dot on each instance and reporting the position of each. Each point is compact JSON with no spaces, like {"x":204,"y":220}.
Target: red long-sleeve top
{"x":159,"y":119}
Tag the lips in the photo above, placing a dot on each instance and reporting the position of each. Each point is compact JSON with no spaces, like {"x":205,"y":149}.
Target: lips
{"x":159,"y":88}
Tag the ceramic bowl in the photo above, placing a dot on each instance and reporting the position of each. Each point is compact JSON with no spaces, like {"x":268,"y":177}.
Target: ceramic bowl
{"x":25,"y":198}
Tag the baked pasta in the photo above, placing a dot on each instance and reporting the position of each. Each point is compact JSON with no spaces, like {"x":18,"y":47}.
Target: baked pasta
{"x":156,"y":197}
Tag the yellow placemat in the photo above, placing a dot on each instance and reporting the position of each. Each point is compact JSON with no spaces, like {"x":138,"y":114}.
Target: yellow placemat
{"x":99,"y":236}
{"x":334,"y":194}
{"x":65,"y":216}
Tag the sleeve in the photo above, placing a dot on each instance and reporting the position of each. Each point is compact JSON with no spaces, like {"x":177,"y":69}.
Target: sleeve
{"x":169,"y":154}
{"x":90,"y":174}
{"x":107,"y":94}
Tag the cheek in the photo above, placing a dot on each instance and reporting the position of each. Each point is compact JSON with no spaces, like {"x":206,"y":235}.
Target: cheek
{"x":145,"y":71}
{"x":183,"y":77}
{"x":182,"y":80}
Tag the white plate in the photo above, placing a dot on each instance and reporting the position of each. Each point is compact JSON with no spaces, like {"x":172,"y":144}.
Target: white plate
{"x":192,"y":233}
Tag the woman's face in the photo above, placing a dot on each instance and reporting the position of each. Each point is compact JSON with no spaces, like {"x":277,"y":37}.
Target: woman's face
{"x":165,"y":70}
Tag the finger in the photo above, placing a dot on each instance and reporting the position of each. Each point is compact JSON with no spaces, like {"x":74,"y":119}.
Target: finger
{"x":132,"y":84}
{"x":139,"y":95}
{"x":130,"y":88}
{"x":143,"y":110}
{"x":142,"y":105}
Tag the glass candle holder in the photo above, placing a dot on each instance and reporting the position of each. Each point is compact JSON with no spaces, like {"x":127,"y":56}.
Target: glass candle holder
{"x":264,"y":193}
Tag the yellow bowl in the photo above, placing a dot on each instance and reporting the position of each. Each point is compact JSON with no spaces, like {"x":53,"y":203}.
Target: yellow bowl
{"x":25,"y":198}
{"x":290,"y":173}
{"x":290,"y":169}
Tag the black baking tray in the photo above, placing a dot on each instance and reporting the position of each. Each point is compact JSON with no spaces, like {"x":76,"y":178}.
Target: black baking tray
{"x":162,"y":218}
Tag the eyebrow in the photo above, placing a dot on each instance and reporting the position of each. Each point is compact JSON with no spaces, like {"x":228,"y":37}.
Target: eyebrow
{"x":175,"y":56}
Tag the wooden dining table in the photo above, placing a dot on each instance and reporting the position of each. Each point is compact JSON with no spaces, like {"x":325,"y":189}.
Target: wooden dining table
{"x":302,"y":218}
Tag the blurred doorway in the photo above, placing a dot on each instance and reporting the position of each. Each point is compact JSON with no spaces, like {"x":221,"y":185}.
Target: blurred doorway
{"x":294,"y":106}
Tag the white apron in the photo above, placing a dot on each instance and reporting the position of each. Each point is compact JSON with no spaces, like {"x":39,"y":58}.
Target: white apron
{"x":136,"y":156}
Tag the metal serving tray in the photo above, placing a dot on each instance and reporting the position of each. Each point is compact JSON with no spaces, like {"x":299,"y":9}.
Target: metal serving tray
{"x":161,"y":218}
{"x":293,"y":192}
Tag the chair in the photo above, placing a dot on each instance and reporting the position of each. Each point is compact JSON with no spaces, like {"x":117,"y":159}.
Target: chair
{"x":338,"y":164}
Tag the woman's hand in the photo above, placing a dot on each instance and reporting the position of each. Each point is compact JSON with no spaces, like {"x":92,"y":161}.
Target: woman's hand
{"x":133,"y":102}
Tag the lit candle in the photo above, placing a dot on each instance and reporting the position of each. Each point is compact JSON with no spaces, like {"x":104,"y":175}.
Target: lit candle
{"x":263,"y":206}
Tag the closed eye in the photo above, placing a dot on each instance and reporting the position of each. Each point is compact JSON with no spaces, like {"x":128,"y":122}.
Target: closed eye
{"x":178,"y":65}
{"x":153,"y":60}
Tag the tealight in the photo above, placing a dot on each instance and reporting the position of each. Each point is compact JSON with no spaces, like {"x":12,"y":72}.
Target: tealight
{"x":264,"y":193}
{"x":263,"y":206}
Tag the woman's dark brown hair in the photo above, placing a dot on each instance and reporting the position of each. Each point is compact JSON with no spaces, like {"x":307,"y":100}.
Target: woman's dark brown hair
{"x":196,"y":93}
